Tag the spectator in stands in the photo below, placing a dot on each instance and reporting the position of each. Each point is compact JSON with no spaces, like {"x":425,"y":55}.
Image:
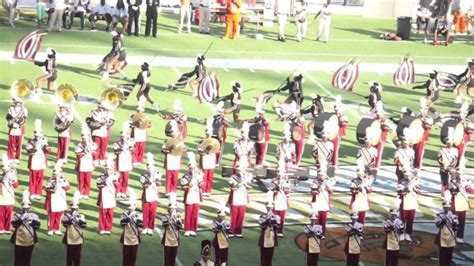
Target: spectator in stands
{"x":78,"y":9}
{"x":100,"y":12}
{"x":205,"y":13}
{"x":152,"y":17}
{"x":459,"y":21}
{"x":133,"y":16}
{"x":470,"y":20}
{"x":324,"y":23}
{"x":120,"y":15}
{"x":232,"y":27}
{"x":282,"y":10}
{"x":423,"y":15}
{"x":11,"y":8}
{"x":56,"y":15}
{"x":441,"y":27}
{"x":185,"y":12}
{"x":41,"y":12}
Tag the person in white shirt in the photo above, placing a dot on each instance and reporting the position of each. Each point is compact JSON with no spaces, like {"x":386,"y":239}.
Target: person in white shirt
{"x":324,"y":23}
{"x":301,"y":20}
{"x":204,"y":11}
{"x":120,"y":15}
{"x":11,"y":5}
{"x":79,"y":9}
{"x":101,"y":12}
{"x":185,"y":12}
{"x":56,"y":16}
{"x":282,"y":10}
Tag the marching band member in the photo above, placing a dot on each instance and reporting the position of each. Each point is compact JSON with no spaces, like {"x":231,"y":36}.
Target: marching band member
{"x":74,"y":222}
{"x":191,"y":183}
{"x":314,"y":233}
{"x":374,"y":96}
{"x":55,"y":203}
{"x":460,"y":186}
{"x":268,"y":239}
{"x":143,"y":79}
{"x":279,"y":191}
{"x":261,"y":145}
{"x":312,"y":112}
{"x":234,"y":97}
{"x":8,"y":184}
{"x":37,"y":149}
{"x":232,"y":22}
{"x":85,"y":154}
{"x":131,"y":221}
{"x":107,"y":184}
{"x":385,"y":129}
{"x":468,"y":129}
{"x":323,"y":150}
{"x":172,"y":163}
{"x":200,"y":72}
{"x":394,"y":229}
{"x":63,"y":119}
{"x":360,"y":189}
{"x":355,"y":233}
{"x":221,"y":121}
{"x":408,"y":189}
{"x":294,"y":88}
{"x":16,"y":120}
{"x":448,"y":224}
{"x":282,"y":10}
{"x":432,"y":94}
{"x":170,"y":241}
{"x":139,"y":134}
{"x":206,"y":252}
{"x":427,"y":124}
{"x":243,"y":148}
{"x":100,"y":122}
{"x":50,"y":66}
{"x":299,"y":144}
{"x":404,"y":155}
{"x":115,"y":61}
{"x":343,"y":123}
{"x":24,"y":236}
{"x":240,"y":184}
{"x":321,"y":189}
{"x":150,"y":181}
{"x":180,"y":119}
{"x":221,"y":229}
{"x":123,"y":150}
{"x":447,"y":158}
{"x":207,"y":161}
{"x":286,"y":151}
{"x":367,"y":155}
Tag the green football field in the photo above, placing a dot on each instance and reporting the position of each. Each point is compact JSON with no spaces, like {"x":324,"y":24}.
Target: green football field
{"x":350,"y":36}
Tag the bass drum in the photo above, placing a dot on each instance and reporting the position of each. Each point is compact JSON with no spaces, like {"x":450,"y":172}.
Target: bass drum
{"x":366,"y":123}
{"x":256,"y":133}
{"x":169,"y":132}
{"x":332,"y":125}
{"x":414,"y":124}
{"x":458,"y":131}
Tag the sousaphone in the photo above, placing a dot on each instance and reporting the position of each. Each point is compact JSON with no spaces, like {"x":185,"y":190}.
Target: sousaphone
{"x":141,"y":120}
{"x":175,"y":146}
{"x":211,"y":145}
{"x":66,"y":94}
{"x":22,"y":90}
{"x":112,"y":98}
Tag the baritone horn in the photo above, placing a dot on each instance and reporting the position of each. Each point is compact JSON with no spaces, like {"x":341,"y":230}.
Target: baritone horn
{"x":112,"y":98}
{"x":22,"y":90}
{"x":66,"y":94}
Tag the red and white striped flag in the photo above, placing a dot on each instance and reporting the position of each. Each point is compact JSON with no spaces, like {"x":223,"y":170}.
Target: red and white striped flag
{"x":346,"y":76}
{"x":27,"y":46}
{"x":405,"y":73}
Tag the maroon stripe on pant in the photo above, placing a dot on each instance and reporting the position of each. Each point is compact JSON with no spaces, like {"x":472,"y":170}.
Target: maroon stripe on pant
{"x":266,"y":256}
{"x":63,"y":144}
{"x":322,"y":217}
{"x":129,"y":255}
{"x":6,"y":213}
{"x":139,"y":152}
{"x":14,"y":147}
{"x":84,"y":182}
{"x":312,"y":259}
{"x":191,"y":216}
{"x":23,"y":255}
{"x":102,"y":143}
{"x":106,"y":219}
{"x":391,"y":257}
{"x":149,"y":214}
{"x":208,"y":180}
{"x":462,"y":223}
{"x":73,"y":255}
{"x":237,"y":214}
{"x":353,"y":259}
{"x":36,"y":182}
{"x":170,"y":254}
{"x":408,"y":217}
{"x":171,"y":180}
{"x":123,"y":181}
{"x":54,"y":221}
{"x":261,"y":150}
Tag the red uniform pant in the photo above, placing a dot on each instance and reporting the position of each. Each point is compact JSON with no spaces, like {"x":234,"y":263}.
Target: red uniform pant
{"x":84,"y":182}
{"x":282,"y":215}
{"x":391,"y":257}
{"x":312,"y":259}
{"x":322,"y":217}
{"x":408,"y":217}
{"x":14,"y":147}
{"x":353,"y":259}
{"x":123,"y":181}
{"x":232,"y":27}
{"x":54,"y":221}
{"x":102,"y":143}
{"x":266,"y":256}
{"x":419,"y":149}
{"x":23,"y":255}
{"x":129,"y":255}
{"x":446,"y":256}
{"x":171,"y":180}
{"x":261,"y":150}
{"x":237,"y":214}
{"x":191,"y":216}
{"x":462,"y":223}
{"x":73,"y":255}
{"x":139,"y":152}
{"x":106,"y":219}
{"x":222,"y":255}
{"x":63,"y":145}
{"x":36,"y":182}
{"x":335,"y":155}
{"x":6,"y":212}
{"x":170,"y":254}
{"x":299,"y":149}
{"x":361,"y":218}
{"x":149,"y":214}
{"x":379,"y":152}
{"x":208,"y":180}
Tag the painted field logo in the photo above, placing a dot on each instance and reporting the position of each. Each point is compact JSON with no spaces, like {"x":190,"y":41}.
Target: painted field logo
{"x":422,"y":251}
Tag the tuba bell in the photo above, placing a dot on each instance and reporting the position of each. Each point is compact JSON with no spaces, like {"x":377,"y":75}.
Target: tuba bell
{"x":22,"y":90}
{"x":66,"y":94}
{"x":141,"y":120}
{"x":112,"y":98}
{"x":176,"y":146}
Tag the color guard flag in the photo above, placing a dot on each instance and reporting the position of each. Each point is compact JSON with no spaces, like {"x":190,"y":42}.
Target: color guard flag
{"x":405,"y":73}
{"x":346,"y":76}
{"x":27,"y":46}
{"x":208,"y":89}
{"x":446,"y":81}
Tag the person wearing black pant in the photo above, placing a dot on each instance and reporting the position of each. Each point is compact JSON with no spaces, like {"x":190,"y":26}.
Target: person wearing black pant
{"x":77,"y":9}
{"x":101,"y":12}
{"x":133,"y":16}
{"x":151,"y":17}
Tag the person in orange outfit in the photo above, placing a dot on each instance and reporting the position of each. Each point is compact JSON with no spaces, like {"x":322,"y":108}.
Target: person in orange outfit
{"x":233,"y":19}
{"x":459,"y":21}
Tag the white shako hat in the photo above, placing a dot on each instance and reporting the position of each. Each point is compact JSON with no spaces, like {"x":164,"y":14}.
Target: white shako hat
{"x":141,"y":104}
{"x":395,"y":207}
{"x":125,"y":129}
{"x":447,"y":196}
{"x":25,"y":202}
{"x":75,"y":199}
{"x":132,"y":202}
{"x":314,"y":211}
{"x":221,"y":210}
{"x":172,"y":204}
{"x":191,"y":159}
{"x":219,"y":108}
{"x":85,"y":130}
{"x":287,"y":131}
{"x":338,"y":102}
{"x":38,"y":127}
{"x":177,"y":106}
